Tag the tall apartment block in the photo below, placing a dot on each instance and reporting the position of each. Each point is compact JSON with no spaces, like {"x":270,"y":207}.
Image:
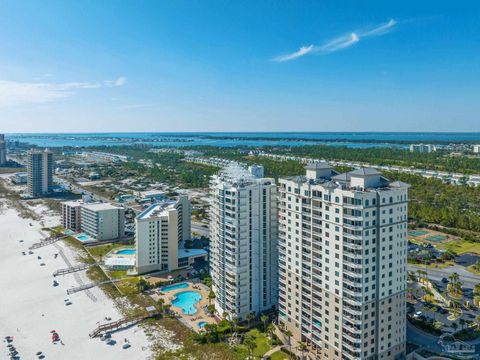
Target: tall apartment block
{"x":3,"y":150}
{"x":39,"y":172}
{"x":243,"y":242}
{"x":159,"y":230}
{"x":342,"y":262}
{"x":71,"y":215}
{"x":102,"y":221}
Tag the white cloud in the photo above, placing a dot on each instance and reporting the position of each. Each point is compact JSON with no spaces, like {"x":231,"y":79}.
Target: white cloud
{"x":339,"y":43}
{"x":380,"y":29}
{"x":14,"y":93}
{"x":302,"y":51}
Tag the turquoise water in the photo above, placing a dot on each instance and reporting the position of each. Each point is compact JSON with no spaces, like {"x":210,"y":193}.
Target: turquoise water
{"x":126,"y":252}
{"x":350,"y":139}
{"x":202,"y":324}
{"x":83,"y":237}
{"x":174,"y":287}
{"x":68,"y":232}
{"x":186,"y":301}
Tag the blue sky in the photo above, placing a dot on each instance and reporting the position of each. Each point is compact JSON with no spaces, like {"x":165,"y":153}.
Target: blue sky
{"x":187,"y":65}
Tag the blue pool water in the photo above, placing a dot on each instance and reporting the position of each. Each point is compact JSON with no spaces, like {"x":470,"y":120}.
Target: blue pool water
{"x":83,"y":237}
{"x":174,"y":287}
{"x":186,"y":301}
{"x":126,"y":252}
{"x":202,"y":324}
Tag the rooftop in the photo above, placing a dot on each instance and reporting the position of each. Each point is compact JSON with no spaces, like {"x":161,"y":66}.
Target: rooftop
{"x":183,"y":253}
{"x":371,"y":179}
{"x":100,"y":206}
{"x":156,"y":210}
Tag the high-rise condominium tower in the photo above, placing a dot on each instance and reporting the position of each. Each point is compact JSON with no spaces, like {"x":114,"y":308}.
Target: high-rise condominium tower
{"x":159,"y":230}
{"x":3,"y":150}
{"x":39,"y":172}
{"x":243,"y":231}
{"x":342,"y":262}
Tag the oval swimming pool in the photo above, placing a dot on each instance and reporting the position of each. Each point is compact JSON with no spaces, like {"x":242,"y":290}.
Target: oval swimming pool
{"x":186,"y":301}
{"x":125,"y":252}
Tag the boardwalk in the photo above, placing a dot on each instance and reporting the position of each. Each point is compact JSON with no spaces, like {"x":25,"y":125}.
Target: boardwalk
{"x":120,"y":324}
{"x":73,"y":269}
{"x":90,"y":285}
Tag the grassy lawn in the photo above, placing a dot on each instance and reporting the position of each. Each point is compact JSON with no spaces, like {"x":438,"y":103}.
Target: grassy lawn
{"x":473,"y":269}
{"x":101,"y":250}
{"x":263,"y":344}
{"x":461,"y":247}
{"x":191,"y":350}
{"x":279,"y":355}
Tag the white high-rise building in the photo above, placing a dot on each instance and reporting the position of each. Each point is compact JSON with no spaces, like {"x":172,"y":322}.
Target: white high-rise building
{"x":102,"y":221}
{"x":39,"y":172}
{"x":3,"y":150}
{"x":342,"y":262}
{"x":243,"y":242}
{"x":159,"y":231}
{"x":476,"y":149}
{"x":422,"y":148}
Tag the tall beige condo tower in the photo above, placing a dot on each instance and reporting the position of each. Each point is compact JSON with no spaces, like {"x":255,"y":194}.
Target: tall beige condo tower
{"x":159,"y":230}
{"x":39,"y":172}
{"x":342,"y":262}
{"x":3,"y":150}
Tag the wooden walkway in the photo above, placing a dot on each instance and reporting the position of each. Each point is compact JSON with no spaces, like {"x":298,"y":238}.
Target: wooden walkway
{"x":46,"y":242}
{"x":120,"y":324}
{"x":90,"y":285}
{"x":73,"y":269}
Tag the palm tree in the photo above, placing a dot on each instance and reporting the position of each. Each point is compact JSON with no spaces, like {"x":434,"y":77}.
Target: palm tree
{"x":477,"y":321}
{"x":288,"y":334}
{"x":271,"y":329}
{"x":250,"y":317}
{"x":434,"y":309}
{"x":264,"y":319}
{"x":211,"y":296}
{"x":454,"y":277}
{"x":249,"y":341}
{"x":454,"y":326}
{"x":302,"y":347}
{"x":160,"y":303}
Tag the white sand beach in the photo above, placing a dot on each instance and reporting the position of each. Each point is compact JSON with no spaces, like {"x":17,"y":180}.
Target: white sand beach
{"x":30,"y":306}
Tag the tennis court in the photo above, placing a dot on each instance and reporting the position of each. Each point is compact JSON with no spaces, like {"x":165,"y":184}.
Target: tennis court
{"x":417,"y":233}
{"x":436,"y":238}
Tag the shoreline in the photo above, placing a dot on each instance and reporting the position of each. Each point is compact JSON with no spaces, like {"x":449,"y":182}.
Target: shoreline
{"x":31,"y":307}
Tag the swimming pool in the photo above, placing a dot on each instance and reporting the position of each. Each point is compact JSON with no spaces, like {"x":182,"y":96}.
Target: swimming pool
{"x":186,"y":301}
{"x":174,"y":287}
{"x":84,"y":237}
{"x":202,"y":324}
{"x":126,"y":252}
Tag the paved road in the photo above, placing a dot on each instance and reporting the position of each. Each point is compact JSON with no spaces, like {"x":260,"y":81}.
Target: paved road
{"x":468,"y":279}
{"x":199,"y":229}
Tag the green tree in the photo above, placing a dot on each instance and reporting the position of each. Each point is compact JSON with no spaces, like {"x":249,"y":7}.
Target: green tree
{"x":264,"y":319}
{"x":250,"y":343}
{"x":211,"y":296}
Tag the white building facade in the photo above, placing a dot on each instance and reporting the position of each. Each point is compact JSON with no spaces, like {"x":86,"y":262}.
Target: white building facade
{"x":342,"y":262}
{"x":243,"y":242}
{"x":102,"y":221}
{"x":159,"y":231}
{"x":39,"y":172}
{"x":476,"y":149}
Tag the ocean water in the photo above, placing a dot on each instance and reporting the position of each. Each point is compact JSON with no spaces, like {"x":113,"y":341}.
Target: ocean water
{"x":247,"y":139}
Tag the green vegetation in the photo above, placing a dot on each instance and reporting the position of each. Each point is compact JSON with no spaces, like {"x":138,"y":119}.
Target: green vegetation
{"x":99,"y":251}
{"x":279,"y":355}
{"x":438,"y":160}
{"x":461,"y":247}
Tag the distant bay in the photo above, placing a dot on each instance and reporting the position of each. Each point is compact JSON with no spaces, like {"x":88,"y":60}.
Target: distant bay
{"x":247,"y":139}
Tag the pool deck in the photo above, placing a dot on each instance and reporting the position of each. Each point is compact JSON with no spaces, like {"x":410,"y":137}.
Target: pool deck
{"x":190,"y":320}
